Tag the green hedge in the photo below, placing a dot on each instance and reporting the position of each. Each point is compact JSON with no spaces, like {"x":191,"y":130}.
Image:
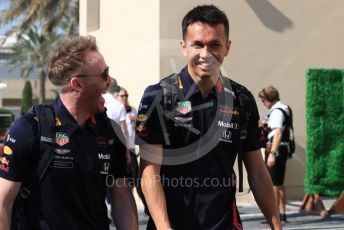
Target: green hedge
{"x":325,"y":132}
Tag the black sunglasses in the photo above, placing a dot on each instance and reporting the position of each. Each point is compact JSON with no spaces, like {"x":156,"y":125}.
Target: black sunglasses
{"x":103,"y":75}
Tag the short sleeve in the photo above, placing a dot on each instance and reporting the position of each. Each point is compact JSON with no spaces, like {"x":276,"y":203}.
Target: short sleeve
{"x":133,"y":111}
{"x":122,"y":113}
{"x":252,"y":141}
{"x":276,"y":119}
{"x":148,"y":125}
{"x":17,"y":154}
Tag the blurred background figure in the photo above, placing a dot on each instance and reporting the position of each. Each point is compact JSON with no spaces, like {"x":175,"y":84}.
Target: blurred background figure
{"x":131,"y":117}
{"x":115,"y":110}
{"x":276,"y":152}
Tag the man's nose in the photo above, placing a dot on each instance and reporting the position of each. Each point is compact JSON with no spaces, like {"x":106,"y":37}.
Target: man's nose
{"x":204,"y":52}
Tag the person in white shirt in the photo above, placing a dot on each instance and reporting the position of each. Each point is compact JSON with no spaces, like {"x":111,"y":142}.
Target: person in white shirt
{"x":276,"y":155}
{"x":133,"y":168}
{"x":115,"y":110}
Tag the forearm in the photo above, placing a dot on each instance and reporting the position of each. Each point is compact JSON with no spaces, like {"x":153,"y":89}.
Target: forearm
{"x":276,"y":140}
{"x":5,"y":217}
{"x":155,"y":199}
{"x":261,"y":186}
{"x":124,"y":207}
{"x":124,"y":131}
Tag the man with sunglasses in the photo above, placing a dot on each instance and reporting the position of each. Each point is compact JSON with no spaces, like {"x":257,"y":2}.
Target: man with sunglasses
{"x":87,"y":157}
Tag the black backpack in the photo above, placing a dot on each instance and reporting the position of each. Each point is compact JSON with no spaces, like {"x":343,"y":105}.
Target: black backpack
{"x":171,"y":93}
{"x":46,"y":132}
{"x":288,"y":132}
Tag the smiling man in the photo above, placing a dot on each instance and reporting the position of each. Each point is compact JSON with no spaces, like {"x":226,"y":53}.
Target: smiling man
{"x":193,"y":125}
{"x":83,"y":152}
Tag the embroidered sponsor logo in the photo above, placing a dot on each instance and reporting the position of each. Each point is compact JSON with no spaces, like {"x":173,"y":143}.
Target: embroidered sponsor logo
{"x":58,"y":122}
{"x":185,"y":125}
{"x":183,"y":119}
{"x":62,"y":151}
{"x":228,"y":111}
{"x":61,"y":164}
{"x":101,"y":141}
{"x":61,"y":138}
{"x":228,"y":125}
{"x":103,"y":156}
{"x":226,"y":136}
{"x":106,"y":167}
{"x":183,"y":107}
{"x":4,"y":164}
{"x":142,"y":117}
{"x":10,"y":139}
{"x":142,"y":106}
{"x":7,"y":150}
{"x":141,"y":131}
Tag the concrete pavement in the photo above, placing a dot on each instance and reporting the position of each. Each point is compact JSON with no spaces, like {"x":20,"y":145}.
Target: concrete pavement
{"x":251,"y":217}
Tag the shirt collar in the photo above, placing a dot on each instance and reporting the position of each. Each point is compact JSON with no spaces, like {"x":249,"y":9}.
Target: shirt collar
{"x":190,"y":88}
{"x":64,"y":120}
{"x":276,"y":105}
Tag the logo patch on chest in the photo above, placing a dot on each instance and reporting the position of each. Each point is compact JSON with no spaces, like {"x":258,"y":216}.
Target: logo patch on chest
{"x":226,"y":136}
{"x":61,"y":138}
{"x":183,"y":107}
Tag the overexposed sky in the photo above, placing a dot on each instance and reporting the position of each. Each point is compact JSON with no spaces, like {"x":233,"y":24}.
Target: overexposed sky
{"x":4,"y":28}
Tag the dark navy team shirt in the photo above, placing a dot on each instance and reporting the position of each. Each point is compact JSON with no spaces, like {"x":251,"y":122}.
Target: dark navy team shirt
{"x":200,"y":191}
{"x":72,"y":194}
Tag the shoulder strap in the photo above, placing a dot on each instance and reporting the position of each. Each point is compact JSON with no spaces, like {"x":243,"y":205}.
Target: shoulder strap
{"x":171,"y":94}
{"x":46,"y":132}
{"x":244,"y":120}
{"x":286,"y":116}
{"x":288,"y":132}
{"x":171,"y":91}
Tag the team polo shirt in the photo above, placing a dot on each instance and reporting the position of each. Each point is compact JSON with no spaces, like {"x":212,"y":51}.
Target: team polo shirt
{"x":200,"y":192}
{"x":85,"y":160}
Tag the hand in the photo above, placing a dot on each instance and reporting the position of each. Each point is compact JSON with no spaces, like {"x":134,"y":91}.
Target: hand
{"x":131,"y":117}
{"x":271,"y":160}
{"x":268,"y":147}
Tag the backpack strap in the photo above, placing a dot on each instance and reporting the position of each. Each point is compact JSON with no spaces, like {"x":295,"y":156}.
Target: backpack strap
{"x":171,"y":94}
{"x":244,"y":120}
{"x":288,"y":132}
{"x":171,"y":89}
{"x":46,"y":132}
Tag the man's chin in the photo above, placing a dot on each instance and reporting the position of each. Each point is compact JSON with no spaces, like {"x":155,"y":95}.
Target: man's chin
{"x":208,"y":74}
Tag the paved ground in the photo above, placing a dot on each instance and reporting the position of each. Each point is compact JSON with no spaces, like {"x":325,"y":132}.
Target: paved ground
{"x":251,"y":217}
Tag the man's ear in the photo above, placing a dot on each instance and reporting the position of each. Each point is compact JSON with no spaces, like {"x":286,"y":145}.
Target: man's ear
{"x":75,"y":84}
{"x":182,"y":44}
{"x":228,"y":46}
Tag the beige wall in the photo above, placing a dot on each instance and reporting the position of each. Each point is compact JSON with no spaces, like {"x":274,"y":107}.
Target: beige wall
{"x":128,"y":37}
{"x":273,"y":42}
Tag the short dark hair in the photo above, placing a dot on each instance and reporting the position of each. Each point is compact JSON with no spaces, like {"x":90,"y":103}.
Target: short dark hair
{"x":209,"y":14}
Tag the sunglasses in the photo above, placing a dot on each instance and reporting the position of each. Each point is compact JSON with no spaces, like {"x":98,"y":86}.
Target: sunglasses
{"x":103,"y":75}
